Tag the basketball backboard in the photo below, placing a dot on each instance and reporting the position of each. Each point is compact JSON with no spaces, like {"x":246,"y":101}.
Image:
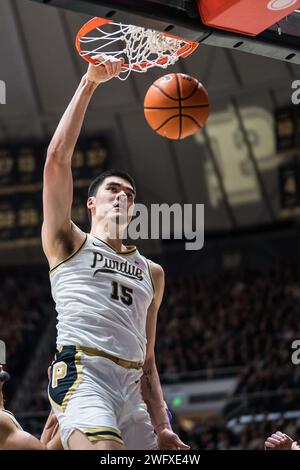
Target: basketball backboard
{"x":181,"y":18}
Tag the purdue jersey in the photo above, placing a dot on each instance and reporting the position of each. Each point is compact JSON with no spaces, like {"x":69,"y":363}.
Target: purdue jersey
{"x":102,"y":297}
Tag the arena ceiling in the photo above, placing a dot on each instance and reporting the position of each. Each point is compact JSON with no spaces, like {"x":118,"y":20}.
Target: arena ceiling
{"x":235,"y":155}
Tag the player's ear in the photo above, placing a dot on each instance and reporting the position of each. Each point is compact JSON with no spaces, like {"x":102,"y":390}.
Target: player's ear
{"x":91,"y":202}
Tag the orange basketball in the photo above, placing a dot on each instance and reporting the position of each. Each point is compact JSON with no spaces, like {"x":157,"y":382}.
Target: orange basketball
{"x":176,"y":106}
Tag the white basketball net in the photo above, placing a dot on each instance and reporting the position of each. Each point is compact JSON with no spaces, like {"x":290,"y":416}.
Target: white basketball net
{"x":141,"y":48}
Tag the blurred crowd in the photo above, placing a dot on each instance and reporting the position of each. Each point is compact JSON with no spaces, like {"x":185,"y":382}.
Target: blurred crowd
{"x":242,"y":320}
{"x":214,"y":434}
{"x":24,"y":309}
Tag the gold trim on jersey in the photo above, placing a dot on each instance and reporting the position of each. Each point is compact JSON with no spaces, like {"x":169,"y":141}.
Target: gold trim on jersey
{"x":130,"y":248}
{"x":105,"y":438}
{"x":77,"y":381}
{"x":104,"y":432}
{"x":103,"y":428}
{"x":54,"y":404}
{"x":151,"y":277}
{"x":117,"y":360}
{"x":69,"y":257}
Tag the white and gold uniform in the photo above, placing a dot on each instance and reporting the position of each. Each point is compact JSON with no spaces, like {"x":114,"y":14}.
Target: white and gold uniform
{"x":102,"y":297}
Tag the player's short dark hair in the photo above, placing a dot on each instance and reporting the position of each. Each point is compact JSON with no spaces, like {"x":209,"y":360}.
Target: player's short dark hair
{"x":99,"y":180}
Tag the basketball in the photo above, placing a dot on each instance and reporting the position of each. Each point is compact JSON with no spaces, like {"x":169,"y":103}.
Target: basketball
{"x":176,"y":106}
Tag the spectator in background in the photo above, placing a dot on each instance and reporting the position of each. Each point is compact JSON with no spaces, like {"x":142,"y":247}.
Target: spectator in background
{"x":281,"y":441}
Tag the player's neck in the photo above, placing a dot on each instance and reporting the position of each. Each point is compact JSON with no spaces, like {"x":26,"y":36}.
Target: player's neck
{"x":116,"y":242}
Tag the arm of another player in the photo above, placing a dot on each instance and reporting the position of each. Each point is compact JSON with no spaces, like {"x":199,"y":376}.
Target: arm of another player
{"x":58,"y":183}
{"x":150,"y":383}
{"x":51,"y":433}
{"x":281,"y":441}
{"x":12,"y":438}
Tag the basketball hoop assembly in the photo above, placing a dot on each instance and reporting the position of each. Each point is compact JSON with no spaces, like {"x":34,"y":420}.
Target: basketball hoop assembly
{"x":249,"y":17}
{"x":141,"y":48}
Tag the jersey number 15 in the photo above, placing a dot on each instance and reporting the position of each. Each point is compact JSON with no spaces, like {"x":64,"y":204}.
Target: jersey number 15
{"x":125,"y":295}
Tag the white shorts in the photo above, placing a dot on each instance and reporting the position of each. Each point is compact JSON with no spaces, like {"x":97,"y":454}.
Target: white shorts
{"x":99,"y":398}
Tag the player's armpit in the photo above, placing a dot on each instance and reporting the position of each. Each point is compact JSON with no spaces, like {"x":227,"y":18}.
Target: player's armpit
{"x":65,"y":245}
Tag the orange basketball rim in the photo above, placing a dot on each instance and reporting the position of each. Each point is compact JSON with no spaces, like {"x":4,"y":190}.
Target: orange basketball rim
{"x":158,"y":49}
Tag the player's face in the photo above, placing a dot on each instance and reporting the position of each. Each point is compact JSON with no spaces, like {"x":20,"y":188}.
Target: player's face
{"x":114,"y":201}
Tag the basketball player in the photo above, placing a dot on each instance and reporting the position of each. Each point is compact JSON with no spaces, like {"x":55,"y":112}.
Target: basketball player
{"x":107,"y":297}
{"x":13,"y":437}
{"x":281,"y":441}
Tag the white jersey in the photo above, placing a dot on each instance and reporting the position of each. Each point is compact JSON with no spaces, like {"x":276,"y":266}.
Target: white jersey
{"x":102,"y":297}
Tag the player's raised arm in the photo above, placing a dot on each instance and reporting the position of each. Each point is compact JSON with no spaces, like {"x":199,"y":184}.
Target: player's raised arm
{"x":58,"y":231}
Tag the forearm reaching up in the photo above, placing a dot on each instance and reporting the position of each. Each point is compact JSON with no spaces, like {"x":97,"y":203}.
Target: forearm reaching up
{"x":66,"y":135}
{"x":59,"y":236}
